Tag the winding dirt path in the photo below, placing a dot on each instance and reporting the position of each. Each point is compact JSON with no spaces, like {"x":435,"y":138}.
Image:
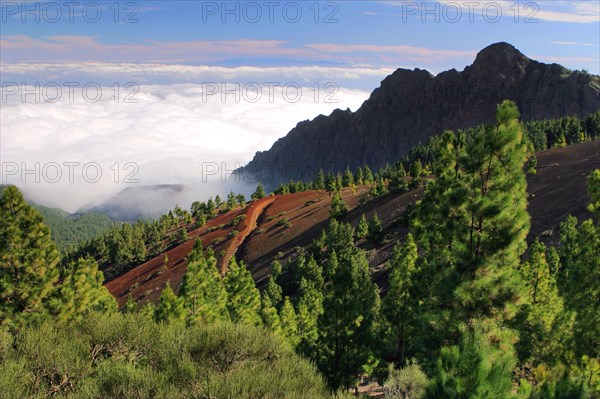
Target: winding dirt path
{"x":253,"y":212}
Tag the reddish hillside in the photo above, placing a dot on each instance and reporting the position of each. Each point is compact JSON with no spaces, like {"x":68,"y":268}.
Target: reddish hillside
{"x":274,"y":227}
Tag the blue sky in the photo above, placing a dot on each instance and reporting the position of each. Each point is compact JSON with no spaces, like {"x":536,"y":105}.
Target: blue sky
{"x":343,"y":33}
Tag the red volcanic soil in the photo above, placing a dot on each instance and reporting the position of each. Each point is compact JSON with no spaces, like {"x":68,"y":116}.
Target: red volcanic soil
{"x":146,"y":281}
{"x":276,"y":226}
{"x":252,"y":212}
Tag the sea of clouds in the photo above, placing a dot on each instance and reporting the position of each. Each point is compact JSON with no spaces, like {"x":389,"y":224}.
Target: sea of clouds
{"x":73,"y":135}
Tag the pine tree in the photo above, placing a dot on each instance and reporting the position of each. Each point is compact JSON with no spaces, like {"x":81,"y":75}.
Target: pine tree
{"x":231,"y":200}
{"x":368,"y":175}
{"x":218,"y":201}
{"x":289,"y":322}
{"x":273,"y":290}
{"x":244,"y":298}
{"x":480,"y":183}
{"x":359,"y":176}
{"x":169,"y":307}
{"x":183,"y":235}
{"x":375,"y":227}
{"x":28,"y":260}
{"x":201,"y":220}
{"x":310,"y":305}
{"x":269,"y":315}
{"x":531,"y":165}
{"x":416,"y":170}
{"x":479,"y":367}
{"x":348,"y":324}
{"x":81,"y":291}
{"x":398,"y":305}
{"x":362,"y":229}
{"x":258,"y":193}
{"x":398,"y":181}
{"x":594,"y":192}
{"x":339,"y":185}
{"x":211,"y":207}
{"x":348,"y":179}
{"x":241,"y":199}
{"x":578,"y":275}
{"x":561,"y":141}
{"x":330,"y":183}
{"x":319,"y":182}
{"x":338,"y":206}
{"x":472,"y":258}
{"x":130,"y":306}
{"x":541,"y":339}
{"x":202,"y":289}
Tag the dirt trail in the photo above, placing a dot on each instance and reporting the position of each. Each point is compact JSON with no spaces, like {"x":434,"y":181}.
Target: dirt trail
{"x":253,"y":212}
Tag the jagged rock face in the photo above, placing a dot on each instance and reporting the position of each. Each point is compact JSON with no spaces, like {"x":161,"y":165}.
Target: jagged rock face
{"x":411,"y":106}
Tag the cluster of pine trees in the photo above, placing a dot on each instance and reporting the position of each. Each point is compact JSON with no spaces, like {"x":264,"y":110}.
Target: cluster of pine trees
{"x":468,"y":310}
{"x":539,"y":136}
{"x":468,"y":307}
{"x":126,"y":245}
{"x":61,"y":334}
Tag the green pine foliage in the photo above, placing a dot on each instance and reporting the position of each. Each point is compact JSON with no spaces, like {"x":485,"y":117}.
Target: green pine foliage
{"x":544,"y":330}
{"x":338,"y":206}
{"x":202,"y":289}
{"x":288,"y":322}
{"x":244,"y":301}
{"x":578,"y":275}
{"x":399,"y":306}
{"x":81,"y":292}
{"x":416,"y":170}
{"x":28,"y":260}
{"x":375,"y":228}
{"x":347,"y":342}
{"x":348,"y":179}
{"x":362,"y":229}
{"x":69,"y":231}
{"x":269,"y":315}
{"x":258,"y":193}
{"x":169,"y":308}
{"x":479,"y":367}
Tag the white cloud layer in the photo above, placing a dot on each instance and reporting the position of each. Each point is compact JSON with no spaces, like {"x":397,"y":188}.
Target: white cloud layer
{"x":169,"y":133}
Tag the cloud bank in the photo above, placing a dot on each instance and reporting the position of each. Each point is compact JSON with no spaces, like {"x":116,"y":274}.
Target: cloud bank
{"x":176,"y":133}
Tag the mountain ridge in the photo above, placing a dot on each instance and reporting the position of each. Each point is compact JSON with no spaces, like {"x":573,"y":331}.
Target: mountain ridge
{"x":412,"y":105}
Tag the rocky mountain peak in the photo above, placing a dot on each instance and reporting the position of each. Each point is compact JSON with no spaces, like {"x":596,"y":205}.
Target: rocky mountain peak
{"x":500,"y":57}
{"x":412,"y":105}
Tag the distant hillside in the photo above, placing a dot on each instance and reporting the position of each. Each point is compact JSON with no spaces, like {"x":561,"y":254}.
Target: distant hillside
{"x":70,"y":230}
{"x":411,"y":106}
{"x":277,"y":227}
{"x":141,"y":202}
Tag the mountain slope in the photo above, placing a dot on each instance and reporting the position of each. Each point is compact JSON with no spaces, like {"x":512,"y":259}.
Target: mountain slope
{"x":411,"y":106}
{"x":278,"y":226}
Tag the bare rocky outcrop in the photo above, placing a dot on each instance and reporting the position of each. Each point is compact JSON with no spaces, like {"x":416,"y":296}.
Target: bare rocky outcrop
{"x":412,"y":105}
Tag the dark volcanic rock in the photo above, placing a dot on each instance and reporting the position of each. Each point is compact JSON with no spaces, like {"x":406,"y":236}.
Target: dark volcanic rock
{"x":411,"y":106}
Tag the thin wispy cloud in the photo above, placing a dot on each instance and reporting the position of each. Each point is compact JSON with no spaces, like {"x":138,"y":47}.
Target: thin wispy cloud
{"x":67,"y":48}
{"x":573,"y":44}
